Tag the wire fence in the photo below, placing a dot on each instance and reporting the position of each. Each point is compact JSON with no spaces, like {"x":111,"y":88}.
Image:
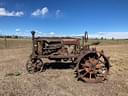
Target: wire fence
{"x":14,"y":43}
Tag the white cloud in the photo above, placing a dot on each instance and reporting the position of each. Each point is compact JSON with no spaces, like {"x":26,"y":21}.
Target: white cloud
{"x":59,"y":13}
{"x":22,"y":33}
{"x":44,"y":10}
{"x":20,"y":13}
{"x":52,"y":33}
{"x":117,"y":35}
{"x":108,"y":35}
{"x":40,"y":12}
{"x":36,"y":13}
{"x":4,"y":12}
{"x":17,"y":30}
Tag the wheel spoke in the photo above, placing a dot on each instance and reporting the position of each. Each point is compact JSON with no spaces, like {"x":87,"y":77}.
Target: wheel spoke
{"x":95,"y":76}
{"x":101,"y":61}
{"x":38,"y":62}
{"x":81,"y":76}
{"x":81,"y":70}
{"x":99,"y":56}
{"x":90,"y":75}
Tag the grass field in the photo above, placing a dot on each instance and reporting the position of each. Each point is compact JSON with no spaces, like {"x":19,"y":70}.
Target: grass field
{"x":22,"y":43}
{"x":14,"y":43}
{"x":15,"y":81}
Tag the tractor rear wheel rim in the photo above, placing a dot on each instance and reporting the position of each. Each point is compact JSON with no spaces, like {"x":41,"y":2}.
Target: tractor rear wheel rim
{"x":92,"y":69}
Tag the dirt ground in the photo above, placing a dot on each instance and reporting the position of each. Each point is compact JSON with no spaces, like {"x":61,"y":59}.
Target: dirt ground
{"x":15,"y":81}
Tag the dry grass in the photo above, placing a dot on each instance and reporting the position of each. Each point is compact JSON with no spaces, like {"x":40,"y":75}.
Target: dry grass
{"x":60,"y":82}
{"x":14,"y":43}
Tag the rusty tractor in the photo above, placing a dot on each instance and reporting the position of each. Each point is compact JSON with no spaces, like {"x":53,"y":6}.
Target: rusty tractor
{"x":90,"y":65}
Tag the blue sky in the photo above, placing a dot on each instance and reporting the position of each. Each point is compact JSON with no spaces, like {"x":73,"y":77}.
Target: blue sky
{"x":107,"y":18}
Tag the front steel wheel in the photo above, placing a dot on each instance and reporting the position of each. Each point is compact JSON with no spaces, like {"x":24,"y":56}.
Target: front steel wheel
{"x":34,"y":64}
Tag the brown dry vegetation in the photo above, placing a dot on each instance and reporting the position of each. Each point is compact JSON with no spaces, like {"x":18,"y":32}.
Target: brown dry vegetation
{"x":15,"y":81}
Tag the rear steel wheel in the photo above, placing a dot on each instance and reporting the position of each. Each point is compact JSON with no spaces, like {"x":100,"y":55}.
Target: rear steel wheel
{"x":93,"y":67}
{"x":35,"y":64}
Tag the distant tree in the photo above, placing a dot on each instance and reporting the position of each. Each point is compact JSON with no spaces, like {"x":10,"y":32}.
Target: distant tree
{"x":96,"y":38}
{"x":102,"y":38}
{"x":112,"y":38}
{"x":8,"y":36}
{"x":16,"y":37}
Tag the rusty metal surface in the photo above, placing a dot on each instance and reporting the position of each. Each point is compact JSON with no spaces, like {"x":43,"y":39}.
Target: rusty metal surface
{"x":71,"y":41}
{"x":91,"y":65}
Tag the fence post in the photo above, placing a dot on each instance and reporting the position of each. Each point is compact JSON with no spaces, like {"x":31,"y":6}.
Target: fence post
{"x":5,"y":41}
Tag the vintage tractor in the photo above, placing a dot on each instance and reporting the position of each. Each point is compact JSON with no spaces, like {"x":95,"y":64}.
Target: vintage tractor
{"x":90,"y":65}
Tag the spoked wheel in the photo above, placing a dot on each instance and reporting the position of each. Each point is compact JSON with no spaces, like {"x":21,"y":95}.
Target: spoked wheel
{"x":93,"y":67}
{"x":35,"y":64}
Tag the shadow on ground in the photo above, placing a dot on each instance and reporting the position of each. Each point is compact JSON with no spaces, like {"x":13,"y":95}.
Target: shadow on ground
{"x":60,"y":65}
